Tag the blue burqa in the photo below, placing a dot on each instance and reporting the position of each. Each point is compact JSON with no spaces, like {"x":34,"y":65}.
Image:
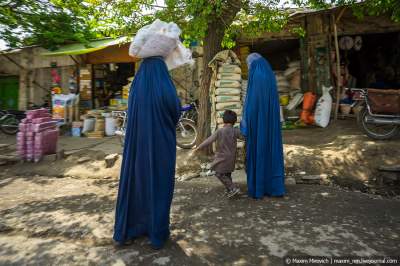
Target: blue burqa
{"x":148,"y":167}
{"x":262,"y":129}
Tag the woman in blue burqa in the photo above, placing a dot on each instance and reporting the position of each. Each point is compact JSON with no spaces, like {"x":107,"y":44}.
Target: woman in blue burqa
{"x":261,"y":127}
{"x":148,"y":167}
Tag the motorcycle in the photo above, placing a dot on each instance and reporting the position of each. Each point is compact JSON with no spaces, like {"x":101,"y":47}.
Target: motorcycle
{"x":8,"y":123}
{"x":186,"y":130}
{"x":375,"y":125}
{"x":120,"y":117}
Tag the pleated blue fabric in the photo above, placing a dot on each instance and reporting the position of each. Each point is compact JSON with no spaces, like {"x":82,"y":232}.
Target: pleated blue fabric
{"x":148,"y":167}
{"x":261,"y":127}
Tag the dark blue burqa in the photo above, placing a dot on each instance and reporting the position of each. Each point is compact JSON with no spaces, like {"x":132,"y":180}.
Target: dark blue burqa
{"x":148,"y":167}
{"x":262,"y":129}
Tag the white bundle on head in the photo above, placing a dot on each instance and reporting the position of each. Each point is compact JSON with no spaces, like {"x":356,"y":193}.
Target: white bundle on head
{"x":161,"y":39}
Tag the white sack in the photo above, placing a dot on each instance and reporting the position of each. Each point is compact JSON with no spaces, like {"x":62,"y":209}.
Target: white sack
{"x":161,"y":39}
{"x":324,"y":107}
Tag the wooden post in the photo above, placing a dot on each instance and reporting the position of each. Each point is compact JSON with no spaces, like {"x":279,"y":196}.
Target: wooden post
{"x":338,"y":75}
{"x":338,"y":90}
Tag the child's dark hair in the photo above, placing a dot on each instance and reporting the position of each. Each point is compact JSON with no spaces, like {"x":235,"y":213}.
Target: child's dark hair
{"x":229,"y":117}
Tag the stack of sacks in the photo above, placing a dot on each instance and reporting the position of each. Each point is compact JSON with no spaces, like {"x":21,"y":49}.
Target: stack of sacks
{"x":228,"y":91}
{"x":281,"y":82}
{"x":37,"y":135}
{"x":244,"y":90}
{"x":292,"y":74}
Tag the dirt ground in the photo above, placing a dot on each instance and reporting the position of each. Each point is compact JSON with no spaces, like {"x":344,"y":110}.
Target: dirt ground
{"x":62,"y":212}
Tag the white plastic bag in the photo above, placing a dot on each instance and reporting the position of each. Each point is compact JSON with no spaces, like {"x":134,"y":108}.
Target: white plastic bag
{"x":178,"y":57}
{"x":161,"y":39}
{"x":157,"y":39}
{"x":324,"y":106}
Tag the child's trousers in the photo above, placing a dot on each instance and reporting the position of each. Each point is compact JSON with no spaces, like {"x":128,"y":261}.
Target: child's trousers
{"x":226,"y":180}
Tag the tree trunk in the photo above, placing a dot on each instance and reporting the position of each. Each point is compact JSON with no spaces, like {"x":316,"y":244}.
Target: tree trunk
{"x":212,"y":45}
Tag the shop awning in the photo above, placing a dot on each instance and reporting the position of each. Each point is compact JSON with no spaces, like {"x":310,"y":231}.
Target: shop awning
{"x":81,"y":48}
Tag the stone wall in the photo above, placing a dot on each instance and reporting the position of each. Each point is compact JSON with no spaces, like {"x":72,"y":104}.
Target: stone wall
{"x":187,"y":79}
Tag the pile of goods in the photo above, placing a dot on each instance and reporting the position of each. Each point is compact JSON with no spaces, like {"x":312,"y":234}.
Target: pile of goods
{"x":85,"y":88}
{"x":37,"y":136}
{"x":228,"y":91}
{"x":121,"y":102}
{"x":226,"y":88}
{"x":288,"y":82}
{"x":289,"y":88}
{"x":319,"y":116}
{"x":94,"y":124}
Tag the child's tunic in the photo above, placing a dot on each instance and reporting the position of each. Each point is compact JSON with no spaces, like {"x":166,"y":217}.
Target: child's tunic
{"x":225,"y":155}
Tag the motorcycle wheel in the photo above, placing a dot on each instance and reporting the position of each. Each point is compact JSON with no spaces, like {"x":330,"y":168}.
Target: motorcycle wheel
{"x":378,"y":132}
{"x":10,"y":126}
{"x":186,"y":134}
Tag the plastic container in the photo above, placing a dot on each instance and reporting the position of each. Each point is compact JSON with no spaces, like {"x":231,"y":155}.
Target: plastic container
{"x":110,"y":126}
{"x":76,"y":131}
{"x":284,"y":99}
{"x":88,"y":125}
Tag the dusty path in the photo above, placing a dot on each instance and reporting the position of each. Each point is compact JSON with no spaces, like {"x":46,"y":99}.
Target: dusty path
{"x":68,"y":221}
{"x":61,"y":213}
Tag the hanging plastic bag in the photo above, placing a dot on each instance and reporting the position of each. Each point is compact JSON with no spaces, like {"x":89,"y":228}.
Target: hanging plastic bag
{"x":324,"y":108}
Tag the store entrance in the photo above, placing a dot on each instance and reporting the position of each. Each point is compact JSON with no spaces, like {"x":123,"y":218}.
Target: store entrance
{"x":109,"y":81}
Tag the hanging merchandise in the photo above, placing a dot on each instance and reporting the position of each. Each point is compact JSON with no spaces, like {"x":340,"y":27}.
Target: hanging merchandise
{"x":324,"y":106}
{"x":357,"y":43}
{"x":346,"y":43}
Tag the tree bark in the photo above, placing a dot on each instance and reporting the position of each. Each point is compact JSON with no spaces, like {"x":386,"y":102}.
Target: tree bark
{"x":212,"y":45}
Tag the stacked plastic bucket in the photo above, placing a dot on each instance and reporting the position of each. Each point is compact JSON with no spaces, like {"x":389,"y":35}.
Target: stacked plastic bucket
{"x":37,"y":136}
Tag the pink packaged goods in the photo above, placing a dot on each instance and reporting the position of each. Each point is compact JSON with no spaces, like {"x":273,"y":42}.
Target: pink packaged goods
{"x":38,"y":135}
{"x":41,"y":120}
{"x":26,"y":121}
{"x":22,"y":127}
{"x":44,"y":126}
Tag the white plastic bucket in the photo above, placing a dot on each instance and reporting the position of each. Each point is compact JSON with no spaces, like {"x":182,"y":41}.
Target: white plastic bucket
{"x":111,"y":126}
